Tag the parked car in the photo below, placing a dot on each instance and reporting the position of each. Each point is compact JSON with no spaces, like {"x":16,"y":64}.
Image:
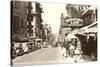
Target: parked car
{"x":19,"y":50}
{"x":16,"y":49}
{"x":31,"y":46}
{"x":25,"y":48}
{"x":45,"y":45}
{"x":38,"y":43}
{"x":55,"y":44}
{"x":13,"y":51}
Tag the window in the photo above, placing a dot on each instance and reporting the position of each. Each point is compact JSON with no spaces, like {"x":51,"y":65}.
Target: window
{"x":15,"y":24}
{"x":96,"y":14}
{"x":69,"y":22}
{"x":22,"y":22}
{"x":25,"y":7}
{"x":17,"y":4}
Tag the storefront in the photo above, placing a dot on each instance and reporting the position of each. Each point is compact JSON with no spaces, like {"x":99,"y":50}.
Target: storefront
{"x":88,"y":38}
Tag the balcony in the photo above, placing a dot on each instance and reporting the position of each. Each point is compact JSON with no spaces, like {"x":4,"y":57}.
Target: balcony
{"x":30,"y":31}
{"x":30,"y":26}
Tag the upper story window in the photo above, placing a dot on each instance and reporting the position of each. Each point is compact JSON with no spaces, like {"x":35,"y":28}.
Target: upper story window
{"x":96,"y":14}
{"x":17,"y":4}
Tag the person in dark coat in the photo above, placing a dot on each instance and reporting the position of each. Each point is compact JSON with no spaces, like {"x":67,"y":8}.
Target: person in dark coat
{"x":90,"y":45}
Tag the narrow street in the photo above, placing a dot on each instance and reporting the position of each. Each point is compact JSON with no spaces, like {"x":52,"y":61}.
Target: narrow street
{"x":70,"y":36}
{"x":42,"y":56}
{"x":48,"y":55}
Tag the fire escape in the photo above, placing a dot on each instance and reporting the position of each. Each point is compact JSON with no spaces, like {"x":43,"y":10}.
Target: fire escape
{"x":30,"y":19}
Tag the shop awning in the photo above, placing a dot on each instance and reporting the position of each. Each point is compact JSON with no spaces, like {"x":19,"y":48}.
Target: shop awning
{"x":71,"y":36}
{"x":91,"y":30}
{"x":81,"y":35}
{"x":20,"y":39}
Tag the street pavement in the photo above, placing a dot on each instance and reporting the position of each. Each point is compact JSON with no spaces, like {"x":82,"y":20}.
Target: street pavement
{"x":42,"y":56}
{"x":48,"y":55}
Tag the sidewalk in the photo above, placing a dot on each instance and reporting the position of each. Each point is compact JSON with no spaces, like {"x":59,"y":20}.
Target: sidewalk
{"x":75,"y":59}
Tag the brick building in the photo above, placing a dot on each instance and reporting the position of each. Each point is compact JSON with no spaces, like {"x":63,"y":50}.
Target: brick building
{"x":19,"y":20}
{"x":73,"y":19}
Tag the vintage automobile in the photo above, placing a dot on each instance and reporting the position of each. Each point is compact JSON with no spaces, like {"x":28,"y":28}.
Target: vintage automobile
{"x":31,"y":46}
{"x":20,"y":50}
{"x":55,"y":44}
{"x":19,"y":46}
{"x":13,"y":51}
{"x":45,"y":45}
{"x":25,"y":48}
{"x":38,"y":43}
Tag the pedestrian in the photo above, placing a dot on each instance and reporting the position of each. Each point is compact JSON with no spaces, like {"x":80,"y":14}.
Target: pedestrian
{"x":71,"y":50}
{"x":78,"y":55}
{"x":75,"y":43}
{"x":66,"y":45}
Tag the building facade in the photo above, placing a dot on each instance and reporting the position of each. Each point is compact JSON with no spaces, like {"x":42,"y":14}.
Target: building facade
{"x":73,"y":19}
{"x":36,"y":23}
{"x":47,"y":31}
{"x":76,"y":10}
{"x":30,"y":19}
{"x":19,"y":20}
{"x":89,"y":16}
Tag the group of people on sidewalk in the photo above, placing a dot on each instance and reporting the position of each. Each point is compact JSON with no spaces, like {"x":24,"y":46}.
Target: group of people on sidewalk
{"x":79,"y":47}
{"x":71,"y":47}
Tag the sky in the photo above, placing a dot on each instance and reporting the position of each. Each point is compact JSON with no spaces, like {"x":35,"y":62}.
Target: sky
{"x":52,"y":14}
